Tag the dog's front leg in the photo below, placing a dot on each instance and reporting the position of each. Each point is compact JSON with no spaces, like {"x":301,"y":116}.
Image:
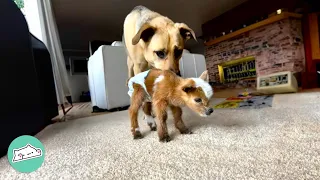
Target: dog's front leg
{"x":161,"y":115}
{"x":140,"y":67}
{"x":130,"y":67}
{"x":179,"y":124}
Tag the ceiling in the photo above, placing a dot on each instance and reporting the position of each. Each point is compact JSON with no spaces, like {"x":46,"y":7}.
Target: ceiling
{"x":107,"y":16}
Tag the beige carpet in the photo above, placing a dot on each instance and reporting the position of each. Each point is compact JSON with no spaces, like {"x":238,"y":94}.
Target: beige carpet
{"x":282,"y":142}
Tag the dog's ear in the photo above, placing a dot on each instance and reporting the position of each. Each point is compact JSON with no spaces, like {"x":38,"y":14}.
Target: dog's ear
{"x":145,"y":33}
{"x":205,"y":76}
{"x":188,"y":86}
{"x":186,"y":32}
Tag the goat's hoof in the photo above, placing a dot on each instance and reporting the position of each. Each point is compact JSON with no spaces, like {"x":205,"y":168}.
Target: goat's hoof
{"x":137,"y":135}
{"x":186,"y":131}
{"x":165,"y":139}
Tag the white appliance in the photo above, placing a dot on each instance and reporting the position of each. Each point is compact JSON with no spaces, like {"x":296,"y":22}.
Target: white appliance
{"x":192,"y":65}
{"x":108,"y":74}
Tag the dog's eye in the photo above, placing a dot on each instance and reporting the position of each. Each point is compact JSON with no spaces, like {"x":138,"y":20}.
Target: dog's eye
{"x":161,"y":54}
{"x":198,"y":100}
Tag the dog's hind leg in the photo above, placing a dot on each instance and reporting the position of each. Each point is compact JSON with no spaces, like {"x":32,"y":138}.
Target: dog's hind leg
{"x":147,"y":109}
{"x":130,"y":69}
{"x":179,"y":124}
{"x":136,"y":102}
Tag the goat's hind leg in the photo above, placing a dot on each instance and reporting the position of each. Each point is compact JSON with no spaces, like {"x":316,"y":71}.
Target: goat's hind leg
{"x":136,"y":102}
{"x":147,"y":109}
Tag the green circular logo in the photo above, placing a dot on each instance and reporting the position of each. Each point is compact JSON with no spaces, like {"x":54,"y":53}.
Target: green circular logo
{"x":26,"y":154}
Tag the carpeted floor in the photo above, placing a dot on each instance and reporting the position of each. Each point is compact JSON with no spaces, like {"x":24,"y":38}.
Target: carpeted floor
{"x":280,"y":142}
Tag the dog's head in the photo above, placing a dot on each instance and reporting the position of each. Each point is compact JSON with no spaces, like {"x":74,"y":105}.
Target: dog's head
{"x":163,"y":42}
{"x":196,"y":94}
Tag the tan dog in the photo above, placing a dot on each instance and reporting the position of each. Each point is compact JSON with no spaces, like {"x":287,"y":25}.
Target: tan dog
{"x":153,"y":40}
{"x":165,"y":89}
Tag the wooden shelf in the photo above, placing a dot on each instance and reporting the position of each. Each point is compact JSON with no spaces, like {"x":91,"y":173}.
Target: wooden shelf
{"x":272,"y":19}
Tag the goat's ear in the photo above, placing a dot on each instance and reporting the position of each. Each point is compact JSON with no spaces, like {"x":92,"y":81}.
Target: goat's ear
{"x":189,"y":86}
{"x":186,"y":32}
{"x":145,"y":33}
{"x":205,"y":76}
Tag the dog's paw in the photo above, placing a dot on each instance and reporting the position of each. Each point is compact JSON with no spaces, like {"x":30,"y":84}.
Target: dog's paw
{"x":137,"y":135}
{"x":186,"y":131}
{"x":165,"y":139}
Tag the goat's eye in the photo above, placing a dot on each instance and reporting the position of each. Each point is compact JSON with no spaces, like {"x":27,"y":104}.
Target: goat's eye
{"x":198,"y":100}
{"x":161,"y":54}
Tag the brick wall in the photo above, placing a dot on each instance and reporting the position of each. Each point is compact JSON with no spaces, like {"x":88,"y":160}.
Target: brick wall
{"x":276,"y":47}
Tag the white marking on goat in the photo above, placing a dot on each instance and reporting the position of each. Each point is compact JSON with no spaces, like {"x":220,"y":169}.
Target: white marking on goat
{"x":137,"y":129}
{"x":158,"y":79}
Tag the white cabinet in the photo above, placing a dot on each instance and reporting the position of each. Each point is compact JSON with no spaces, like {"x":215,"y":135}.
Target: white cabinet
{"x":192,"y":65}
{"x":108,"y":74}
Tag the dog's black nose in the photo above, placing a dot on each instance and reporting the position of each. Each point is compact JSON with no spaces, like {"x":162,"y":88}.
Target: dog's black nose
{"x":209,"y":111}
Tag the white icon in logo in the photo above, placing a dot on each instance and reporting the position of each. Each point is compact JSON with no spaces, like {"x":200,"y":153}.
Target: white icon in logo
{"x":25,"y":153}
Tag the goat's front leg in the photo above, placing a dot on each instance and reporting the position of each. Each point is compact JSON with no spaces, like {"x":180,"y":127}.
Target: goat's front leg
{"x":177,"y":116}
{"x":161,"y":116}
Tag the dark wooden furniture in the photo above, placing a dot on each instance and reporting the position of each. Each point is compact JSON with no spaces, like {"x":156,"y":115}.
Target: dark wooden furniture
{"x":314,"y":31}
{"x":27,"y":90}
